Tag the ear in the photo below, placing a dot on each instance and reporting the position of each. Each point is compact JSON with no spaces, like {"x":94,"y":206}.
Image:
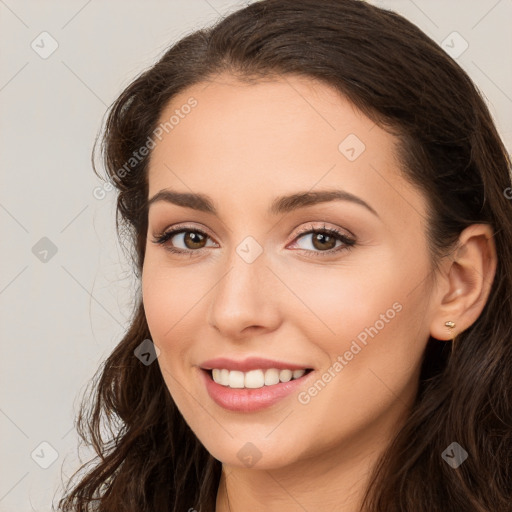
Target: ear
{"x":464,"y":282}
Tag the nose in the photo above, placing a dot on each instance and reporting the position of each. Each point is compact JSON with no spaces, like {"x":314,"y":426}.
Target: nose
{"x":245,"y":300}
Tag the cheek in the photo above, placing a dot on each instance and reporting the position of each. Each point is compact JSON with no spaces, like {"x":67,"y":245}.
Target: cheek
{"x":175,"y":298}
{"x":170,"y":294}
{"x":169,"y":302}
{"x":369,"y":319}
{"x":165,"y":309}
{"x":340,"y":301}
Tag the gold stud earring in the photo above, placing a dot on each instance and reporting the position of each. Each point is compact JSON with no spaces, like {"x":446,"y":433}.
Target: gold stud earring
{"x":450,"y":324}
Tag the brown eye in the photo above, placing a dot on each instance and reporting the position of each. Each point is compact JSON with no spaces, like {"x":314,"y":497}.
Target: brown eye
{"x":322,"y":241}
{"x":194,"y":240}
{"x":184,"y":240}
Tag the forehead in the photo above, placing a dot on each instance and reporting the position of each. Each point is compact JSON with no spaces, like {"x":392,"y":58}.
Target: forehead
{"x":275,"y":136}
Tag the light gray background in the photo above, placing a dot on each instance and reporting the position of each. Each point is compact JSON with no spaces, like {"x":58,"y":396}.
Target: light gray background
{"x":61,"y":317}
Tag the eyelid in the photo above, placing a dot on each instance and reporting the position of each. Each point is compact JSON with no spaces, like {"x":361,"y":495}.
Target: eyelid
{"x":325,"y":227}
{"x":348,"y":240}
{"x":305,"y":230}
{"x":175,"y":228}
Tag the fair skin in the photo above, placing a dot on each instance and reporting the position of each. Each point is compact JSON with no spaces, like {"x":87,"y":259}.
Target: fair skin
{"x":243,"y":146}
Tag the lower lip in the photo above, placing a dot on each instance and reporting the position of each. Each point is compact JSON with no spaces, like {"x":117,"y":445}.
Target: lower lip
{"x":249,"y":400}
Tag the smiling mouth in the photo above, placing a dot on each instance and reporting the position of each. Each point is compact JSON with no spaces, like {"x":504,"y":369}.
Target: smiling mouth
{"x":254,"y":379}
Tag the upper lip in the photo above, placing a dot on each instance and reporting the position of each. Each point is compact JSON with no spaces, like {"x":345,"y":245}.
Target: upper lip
{"x":251,"y":363}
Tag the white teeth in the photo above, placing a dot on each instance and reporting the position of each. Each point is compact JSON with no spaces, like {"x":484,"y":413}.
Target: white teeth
{"x":224,"y":377}
{"x":236,"y":379}
{"x":221,"y":376}
{"x":285,"y":375}
{"x":271,"y":377}
{"x":297,"y":374}
{"x":255,"y":378}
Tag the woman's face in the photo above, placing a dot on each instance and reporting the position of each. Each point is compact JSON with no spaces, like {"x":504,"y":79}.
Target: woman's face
{"x":252,"y":281}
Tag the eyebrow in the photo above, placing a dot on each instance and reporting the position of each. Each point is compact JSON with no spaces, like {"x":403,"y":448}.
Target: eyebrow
{"x":280,"y":205}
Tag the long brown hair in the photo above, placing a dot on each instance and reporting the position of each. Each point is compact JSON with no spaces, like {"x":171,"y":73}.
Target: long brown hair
{"x":449,"y":148}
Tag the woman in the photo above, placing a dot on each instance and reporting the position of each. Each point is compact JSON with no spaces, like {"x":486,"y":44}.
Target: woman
{"x":316,"y":198}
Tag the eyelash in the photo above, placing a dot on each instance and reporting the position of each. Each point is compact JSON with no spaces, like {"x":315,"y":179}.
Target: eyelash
{"x":348,"y":242}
